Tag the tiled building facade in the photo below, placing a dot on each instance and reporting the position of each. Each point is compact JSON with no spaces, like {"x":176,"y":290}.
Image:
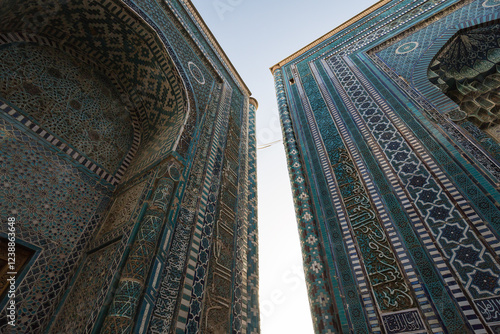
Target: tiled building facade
{"x":127,"y":159}
{"x":391,"y":128}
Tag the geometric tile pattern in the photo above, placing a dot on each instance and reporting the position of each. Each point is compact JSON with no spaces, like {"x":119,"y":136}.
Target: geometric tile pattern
{"x":187,"y":269}
{"x":484,"y":149}
{"x":387,"y":21}
{"x":111,"y":34}
{"x":58,"y":206}
{"x":66,"y":100}
{"x":127,"y":237}
{"x":382,"y":144}
{"x":342,"y":275}
{"x":401,"y":253}
{"x":174,"y":271}
{"x":240,"y":279}
{"x":253,"y":319}
{"x":426,"y":36}
{"x":216,"y":316}
{"x":111,"y":84}
{"x":203,"y":228}
{"x":467,"y":66}
{"x":118,"y":217}
{"x":473,"y":84}
{"x":433,"y":200}
{"x":164,"y":18}
{"x":450,"y":318}
{"x":482,"y":205}
{"x":87,"y":290}
{"x":102,"y":261}
{"x":339,"y":176}
{"x":381,"y":266}
{"x":193,"y":322}
{"x":445,"y":25}
{"x":413,"y":174}
{"x":320,"y":295}
{"x":430,"y":197}
{"x":123,"y":308}
{"x":391,"y":292}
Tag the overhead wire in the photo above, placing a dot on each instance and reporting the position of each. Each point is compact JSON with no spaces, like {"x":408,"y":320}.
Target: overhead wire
{"x":261,"y":147}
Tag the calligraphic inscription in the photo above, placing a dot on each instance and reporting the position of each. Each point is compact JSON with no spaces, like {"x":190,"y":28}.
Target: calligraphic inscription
{"x":403,"y":322}
{"x":489,"y":309}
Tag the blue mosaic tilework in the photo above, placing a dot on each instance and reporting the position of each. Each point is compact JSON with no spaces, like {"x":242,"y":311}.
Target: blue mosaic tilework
{"x":23,"y":40}
{"x":467,"y":62}
{"x":158,"y":62}
{"x":211,"y":185}
{"x":170,"y":274}
{"x":240,"y":284}
{"x":462,"y":140}
{"x":171,"y":31}
{"x":194,"y":320}
{"x":387,"y":21}
{"x":111,"y":43}
{"x":431,"y":38}
{"x":320,"y":295}
{"x":349,"y":217}
{"x":183,"y":10}
{"x":170,"y":171}
{"x":336,"y":258}
{"x":482,"y":196}
{"x":423,"y":265}
{"x":400,"y":250}
{"x":46,"y":309}
{"x":414,"y":182}
{"x":404,"y":61}
{"x":437,"y":182}
{"x":218,"y":250}
{"x":120,"y":317}
{"x":488,"y":143}
{"x":65,"y":99}
{"x":435,"y":328}
{"x":463,"y":179}
{"x":253,"y":320}
{"x":489,"y":309}
{"x":79,"y":307}
{"x":65,"y":204}
{"x":216,"y":313}
{"x":87,"y":290}
{"x":175,"y":272}
{"x":413,"y":178}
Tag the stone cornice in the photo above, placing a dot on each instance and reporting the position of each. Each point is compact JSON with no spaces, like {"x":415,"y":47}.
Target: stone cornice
{"x":254,"y":102}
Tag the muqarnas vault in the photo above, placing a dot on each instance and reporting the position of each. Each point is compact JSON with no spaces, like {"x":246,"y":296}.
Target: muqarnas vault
{"x":391,"y":124}
{"x":127,"y":158}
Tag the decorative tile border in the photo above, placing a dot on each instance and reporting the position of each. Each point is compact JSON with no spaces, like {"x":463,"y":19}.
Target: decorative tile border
{"x":240,"y":279}
{"x":472,"y":216}
{"x":457,"y":134}
{"x":425,"y":304}
{"x":320,"y":296}
{"x":416,"y":220}
{"x":349,"y":237}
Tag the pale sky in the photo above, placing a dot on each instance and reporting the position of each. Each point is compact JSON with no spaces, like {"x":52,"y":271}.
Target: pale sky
{"x":256,"y":34}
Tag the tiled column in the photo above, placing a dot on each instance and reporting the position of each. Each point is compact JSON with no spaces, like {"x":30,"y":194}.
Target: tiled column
{"x":124,"y":305}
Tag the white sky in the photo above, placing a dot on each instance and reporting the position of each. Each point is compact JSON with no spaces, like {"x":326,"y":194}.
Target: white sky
{"x":256,"y":35}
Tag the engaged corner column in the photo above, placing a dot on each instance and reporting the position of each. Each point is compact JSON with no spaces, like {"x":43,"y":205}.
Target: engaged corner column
{"x":132,"y":282}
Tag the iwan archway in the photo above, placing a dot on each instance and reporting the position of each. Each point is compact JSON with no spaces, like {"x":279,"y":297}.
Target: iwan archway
{"x":92,"y":107}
